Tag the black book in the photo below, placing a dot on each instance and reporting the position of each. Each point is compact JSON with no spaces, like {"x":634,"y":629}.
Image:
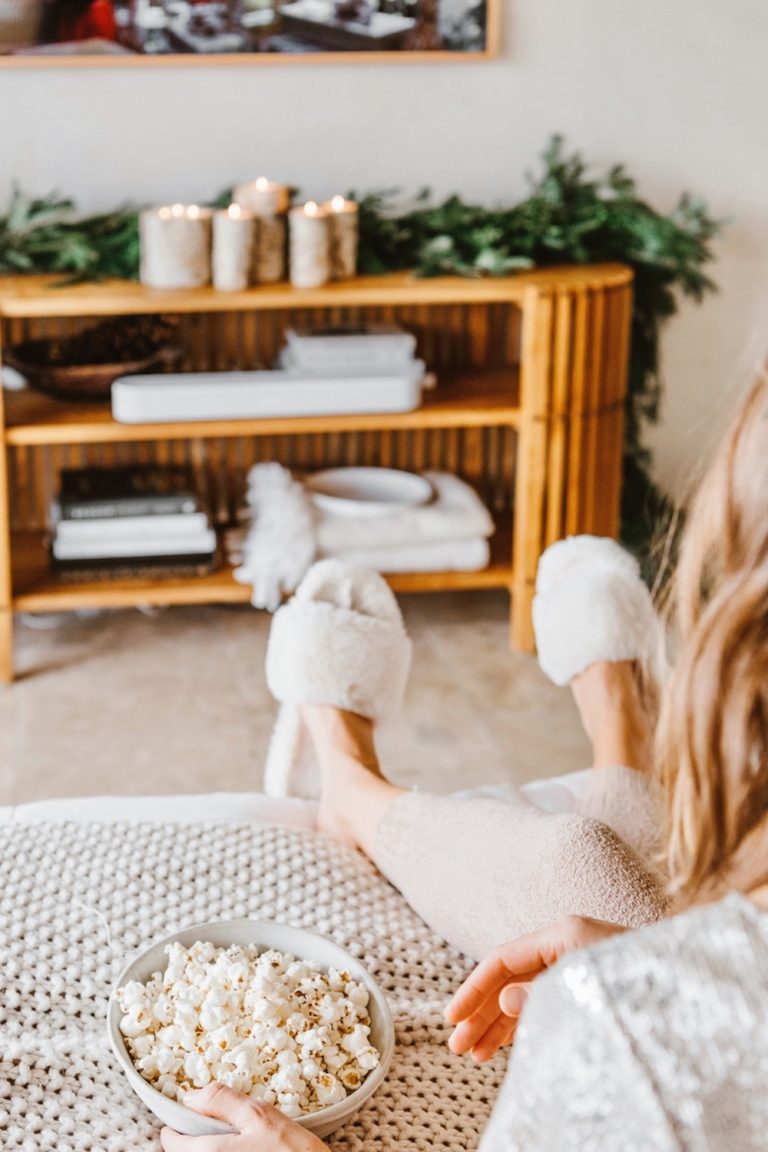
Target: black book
{"x":133,"y":490}
{"x":138,"y":568}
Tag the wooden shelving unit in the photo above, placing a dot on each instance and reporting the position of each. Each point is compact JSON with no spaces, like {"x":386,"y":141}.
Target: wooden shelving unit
{"x":528,"y":407}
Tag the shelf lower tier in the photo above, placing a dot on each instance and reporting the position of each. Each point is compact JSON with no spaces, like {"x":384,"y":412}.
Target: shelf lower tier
{"x":37,"y":589}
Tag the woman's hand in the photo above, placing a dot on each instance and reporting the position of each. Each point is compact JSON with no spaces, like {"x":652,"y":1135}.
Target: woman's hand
{"x":487,"y":1007}
{"x":258,"y":1127}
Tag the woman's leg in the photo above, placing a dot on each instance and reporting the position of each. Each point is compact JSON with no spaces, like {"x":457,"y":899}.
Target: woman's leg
{"x":478,"y":871}
{"x":619,"y":791}
{"x":354,"y":794}
{"x":613,"y":714}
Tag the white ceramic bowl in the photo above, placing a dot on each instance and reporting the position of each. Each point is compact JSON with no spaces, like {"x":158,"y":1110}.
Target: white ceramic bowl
{"x":368,"y":491}
{"x":304,"y":945}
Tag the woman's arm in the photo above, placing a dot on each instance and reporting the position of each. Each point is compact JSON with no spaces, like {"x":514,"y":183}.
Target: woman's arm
{"x":576,"y":1081}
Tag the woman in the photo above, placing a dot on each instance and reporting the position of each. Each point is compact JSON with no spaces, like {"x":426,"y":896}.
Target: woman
{"x":654,"y":1039}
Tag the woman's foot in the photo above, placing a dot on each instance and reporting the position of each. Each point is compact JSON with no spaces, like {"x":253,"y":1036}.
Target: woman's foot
{"x":591,"y":606}
{"x":353,"y":794}
{"x":340,"y":640}
{"x":613,"y":713}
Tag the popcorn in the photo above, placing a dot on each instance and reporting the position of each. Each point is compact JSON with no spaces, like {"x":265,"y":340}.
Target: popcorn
{"x":267,"y":1024}
{"x":329,"y":1089}
{"x":356,"y":1039}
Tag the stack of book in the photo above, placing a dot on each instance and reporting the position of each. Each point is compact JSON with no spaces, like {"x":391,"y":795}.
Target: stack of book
{"x":136,"y":521}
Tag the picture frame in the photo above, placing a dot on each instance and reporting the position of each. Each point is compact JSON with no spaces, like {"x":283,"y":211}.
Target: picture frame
{"x":130,"y":33}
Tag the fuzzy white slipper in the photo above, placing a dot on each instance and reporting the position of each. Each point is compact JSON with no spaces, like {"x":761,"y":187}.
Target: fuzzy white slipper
{"x":591,"y":604}
{"x":340,"y":641}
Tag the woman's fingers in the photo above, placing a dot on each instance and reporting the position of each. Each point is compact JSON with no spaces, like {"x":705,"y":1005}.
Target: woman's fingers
{"x":522,"y":960}
{"x":486,"y":982}
{"x":467,"y":1032}
{"x":175,"y":1142}
{"x":503,"y":1010}
{"x":488,"y":1030}
{"x":258,"y":1127}
{"x":500,"y":1033}
{"x":223,"y":1104}
{"x":512,"y":999}
{"x":481,"y":984}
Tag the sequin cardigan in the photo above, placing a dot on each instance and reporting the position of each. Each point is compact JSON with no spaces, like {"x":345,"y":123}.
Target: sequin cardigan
{"x":654,"y":1041}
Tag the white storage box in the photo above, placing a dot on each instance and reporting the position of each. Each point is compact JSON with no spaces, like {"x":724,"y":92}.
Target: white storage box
{"x":374,"y":346}
{"x":258,"y":395}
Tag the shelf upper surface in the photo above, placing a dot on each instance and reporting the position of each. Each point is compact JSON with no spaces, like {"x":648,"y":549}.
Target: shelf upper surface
{"x":472,"y":398}
{"x":43,"y":296}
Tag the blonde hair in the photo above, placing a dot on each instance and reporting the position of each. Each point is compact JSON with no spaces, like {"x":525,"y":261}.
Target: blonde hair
{"x":712,"y":741}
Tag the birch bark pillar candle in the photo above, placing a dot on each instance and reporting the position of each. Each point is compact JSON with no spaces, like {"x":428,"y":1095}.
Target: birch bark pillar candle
{"x":344,"y":231}
{"x":310,"y":246}
{"x":175,"y":246}
{"x":268,"y":202}
{"x":233,"y":244}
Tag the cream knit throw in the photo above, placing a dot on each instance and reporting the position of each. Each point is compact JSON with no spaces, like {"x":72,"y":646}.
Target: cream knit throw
{"x":77,"y":899}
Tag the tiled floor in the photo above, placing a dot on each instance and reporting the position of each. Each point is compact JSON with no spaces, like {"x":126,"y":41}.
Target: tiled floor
{"x":127,"y":702}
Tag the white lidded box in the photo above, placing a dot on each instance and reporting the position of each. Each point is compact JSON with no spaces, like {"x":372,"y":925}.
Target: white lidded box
{"x":374,"y":345}
{"x":264,"y":934}
{"x":258,"y":395}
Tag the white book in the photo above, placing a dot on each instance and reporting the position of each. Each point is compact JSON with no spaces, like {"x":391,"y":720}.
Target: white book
{"x":193,"y":544}
{"x":130,"y":527}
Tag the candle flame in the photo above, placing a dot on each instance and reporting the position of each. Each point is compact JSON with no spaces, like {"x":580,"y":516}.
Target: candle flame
{"x":338,"y":203}
{"x":262,"y":184}
{"x":311,"y":208}
{"x":164,"y":213}
{"x":235,"y":211}
{"x":193,"y":212}
{"x":177,"y":210}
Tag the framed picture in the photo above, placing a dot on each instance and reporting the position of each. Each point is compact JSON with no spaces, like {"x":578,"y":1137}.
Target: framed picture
{"x":240,"y":31}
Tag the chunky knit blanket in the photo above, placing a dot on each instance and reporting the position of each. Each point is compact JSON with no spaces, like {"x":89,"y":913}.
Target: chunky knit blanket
{"x":76,"y":900}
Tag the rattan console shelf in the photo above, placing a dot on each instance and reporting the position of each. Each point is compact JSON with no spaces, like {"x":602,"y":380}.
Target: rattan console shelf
{"x":528,"y":408}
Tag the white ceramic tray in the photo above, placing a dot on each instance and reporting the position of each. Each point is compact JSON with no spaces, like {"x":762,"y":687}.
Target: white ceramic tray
{"x":257,"y":395}
{"x":368,"y":492}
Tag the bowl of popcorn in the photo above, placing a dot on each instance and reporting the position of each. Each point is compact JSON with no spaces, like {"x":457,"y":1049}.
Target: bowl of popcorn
{"x":278,"y":1013}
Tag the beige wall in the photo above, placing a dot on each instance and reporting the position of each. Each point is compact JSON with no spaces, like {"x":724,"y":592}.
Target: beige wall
{"x":679,"y":91}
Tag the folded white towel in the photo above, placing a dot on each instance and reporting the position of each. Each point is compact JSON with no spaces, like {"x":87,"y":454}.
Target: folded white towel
{"x":456,"y":513}
{"x":282,"y":533}
{"x":440,"y":556}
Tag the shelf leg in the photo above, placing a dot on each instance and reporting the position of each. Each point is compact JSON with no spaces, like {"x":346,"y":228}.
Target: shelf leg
{"x":6,"y":580}
{"x":521,"y":625}
{"x":6,"y":646}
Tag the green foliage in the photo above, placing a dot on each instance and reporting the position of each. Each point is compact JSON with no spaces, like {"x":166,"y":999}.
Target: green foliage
{"x":46,"y":235}
{"x":568,"y":218}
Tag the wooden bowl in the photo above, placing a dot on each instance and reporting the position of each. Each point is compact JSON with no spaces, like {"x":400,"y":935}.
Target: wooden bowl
{"x":82,"y":381}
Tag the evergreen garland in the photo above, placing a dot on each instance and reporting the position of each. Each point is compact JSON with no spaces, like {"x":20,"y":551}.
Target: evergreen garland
{"x":47,"y":236}
{"x":569,"y":217}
